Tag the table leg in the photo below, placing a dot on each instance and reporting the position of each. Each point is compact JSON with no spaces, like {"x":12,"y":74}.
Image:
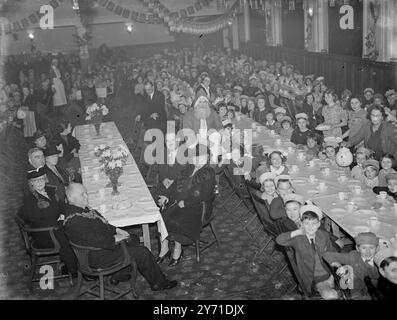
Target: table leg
{"x":146,"y":236}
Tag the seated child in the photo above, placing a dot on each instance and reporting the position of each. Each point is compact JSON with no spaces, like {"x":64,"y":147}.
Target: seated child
{"x":331,"y":149}
{"x":386,"y":260}
{"x":361,"y":261}
{"x":310,"y":244}
{"x":270,"y":122}
{"x":277,"y":160}
{"x":386,"y":162}
{"x":312,"y":148}
{"x":284,"y":188}
{"x":292,"y":202}
{"x":268,"y":187}
{"x":362,"y":154}
{"x":391,"y":189}
{"x":280,"y":114}
{"x":231,"y":114}
{"x":286,"y":128}
{"x":222,"y":110}
{"x":371,"y":170}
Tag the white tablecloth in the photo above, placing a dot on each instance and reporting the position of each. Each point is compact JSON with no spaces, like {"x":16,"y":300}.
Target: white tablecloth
{"x":134,"y":205}
{"x":327,"y":199}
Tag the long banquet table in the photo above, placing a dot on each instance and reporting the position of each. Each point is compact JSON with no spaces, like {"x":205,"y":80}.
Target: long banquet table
{"x":368,"y":206}
{"x":134,"y":205}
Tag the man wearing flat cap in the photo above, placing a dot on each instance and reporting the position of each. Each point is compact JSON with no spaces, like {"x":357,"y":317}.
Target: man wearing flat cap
{"x":361,"y":262}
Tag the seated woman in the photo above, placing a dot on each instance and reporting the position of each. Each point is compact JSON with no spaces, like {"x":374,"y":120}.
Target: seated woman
{"x":70,"y":146}
{"x":182,"y":215}
{"x":386,"y":260}
{"x":42,"y":209}
{"x":260,"y":113}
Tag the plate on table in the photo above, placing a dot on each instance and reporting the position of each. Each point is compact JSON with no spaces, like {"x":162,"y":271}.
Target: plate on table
{"x":312,"y":192}
{"x":323,"y":127}
{"x":365,"y":212}
{"x":123,"y":205}
{"x":338,"y":212}
{"x":361,"y":229}
{"x":299,"y":181}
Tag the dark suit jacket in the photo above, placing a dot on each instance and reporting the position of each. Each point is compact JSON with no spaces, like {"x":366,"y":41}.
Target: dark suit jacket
{"x":155,"y":105}
{"x":69,"y":143}
{"x":305,"y":256}
{"x":87,"y":228}
{"x":36,"y":217}
{"x":360,"y":268}
{"x":55,"y":181}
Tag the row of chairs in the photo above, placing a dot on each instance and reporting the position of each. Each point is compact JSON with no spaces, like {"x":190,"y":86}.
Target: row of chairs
{"x":82,"y":253}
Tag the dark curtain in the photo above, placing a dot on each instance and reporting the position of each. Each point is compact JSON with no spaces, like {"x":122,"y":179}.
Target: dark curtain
{"x":293,"y":26}
{"x":346,"y":42}
{"x":258,"y":25}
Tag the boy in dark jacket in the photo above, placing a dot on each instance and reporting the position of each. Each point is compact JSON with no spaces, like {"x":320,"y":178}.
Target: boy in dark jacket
{"x":310,"y":244}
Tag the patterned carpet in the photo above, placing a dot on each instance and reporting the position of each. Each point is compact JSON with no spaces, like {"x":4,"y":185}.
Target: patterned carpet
{"x":232,"y":270}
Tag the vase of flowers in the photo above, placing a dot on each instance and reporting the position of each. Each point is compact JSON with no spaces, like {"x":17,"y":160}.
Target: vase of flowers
{"x":112,"y":163}
{"x":95,"y":115}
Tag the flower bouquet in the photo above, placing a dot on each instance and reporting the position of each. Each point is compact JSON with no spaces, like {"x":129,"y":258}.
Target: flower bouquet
{"x":112,"y":163}
{"x":98,"y":151}
{"x":95,"y":115}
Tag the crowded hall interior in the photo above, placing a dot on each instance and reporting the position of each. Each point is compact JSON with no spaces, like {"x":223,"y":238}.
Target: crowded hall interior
{"x":198,"y":149}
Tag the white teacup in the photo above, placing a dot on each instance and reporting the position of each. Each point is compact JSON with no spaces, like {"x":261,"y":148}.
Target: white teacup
{"x":311,"y":163}
{"x":312,"y":179}
{"x":259,"y":129}
{"x":301,"y":156}
{"x":86,"y":169}
{"x":322,"y":186}
{"x":342,"y":178}
{"x":373,"y":222}
{"x":357,"y":190}
{"x":327,"y":171}
{"x":96,"y":176}
{"x":295,"y":168}
{"x":253,"y":126}
{"x":395,"y":207}
{"x":272,"y":132}
{"x":341,"y":195}
{"x":351,"y":207}
{"x":383,"y":195}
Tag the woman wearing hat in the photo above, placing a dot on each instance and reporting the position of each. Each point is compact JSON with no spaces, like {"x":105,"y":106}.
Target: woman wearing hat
{"x":182,"y":216}
{"x":42,"y":209}
{"x":378,"y":134}
{"x":57,"y":175}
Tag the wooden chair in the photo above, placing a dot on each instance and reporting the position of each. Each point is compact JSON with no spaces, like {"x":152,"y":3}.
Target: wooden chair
{"x":264,"y":216}
{"x":240,"y":189}
{"x":37,"y":254}
{"x":82,"y":254}
{"x":207,"y":219}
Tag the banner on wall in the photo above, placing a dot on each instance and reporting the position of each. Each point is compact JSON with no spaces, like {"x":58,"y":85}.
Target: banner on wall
{"x":111,"y":6}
